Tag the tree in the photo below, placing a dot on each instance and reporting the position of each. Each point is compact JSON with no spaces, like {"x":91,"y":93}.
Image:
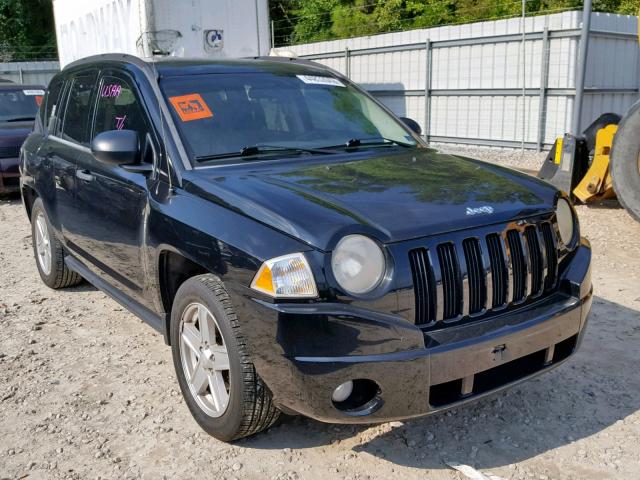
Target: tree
{"x":629,"y":7}
{"x":313,"y":20}
{"x":26,"y":30}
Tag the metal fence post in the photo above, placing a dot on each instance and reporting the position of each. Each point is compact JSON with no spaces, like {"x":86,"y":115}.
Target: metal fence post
{"x":347,"y":62}
{"x":427,"y":90}
{"x":20,"y":75}
{"x":544,"y":82}
{"x":581,"y":68}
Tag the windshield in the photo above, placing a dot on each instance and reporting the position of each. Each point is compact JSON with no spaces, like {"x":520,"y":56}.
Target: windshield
{"x":219,"y":115}
{"x":19,"y":104}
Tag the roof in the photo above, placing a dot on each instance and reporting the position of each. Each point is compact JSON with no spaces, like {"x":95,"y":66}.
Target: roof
{"x":177,"y":66}
{"x":171,"y":66}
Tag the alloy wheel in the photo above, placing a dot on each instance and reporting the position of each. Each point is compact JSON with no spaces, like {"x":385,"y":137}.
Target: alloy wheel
{"x":205,"y":359}
{"x":43,"y":243}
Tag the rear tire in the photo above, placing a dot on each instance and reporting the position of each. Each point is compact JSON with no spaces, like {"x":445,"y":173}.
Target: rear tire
{"x":48,"y":251}
{"x":625,"y":162}
{"x":219,"y":383}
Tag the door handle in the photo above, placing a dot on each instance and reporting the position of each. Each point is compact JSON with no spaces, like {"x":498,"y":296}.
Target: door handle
{"x":85,"y":175}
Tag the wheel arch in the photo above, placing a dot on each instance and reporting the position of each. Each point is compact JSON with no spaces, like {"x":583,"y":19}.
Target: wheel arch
{"x":174,"y":268}
{"x":29,"y":195}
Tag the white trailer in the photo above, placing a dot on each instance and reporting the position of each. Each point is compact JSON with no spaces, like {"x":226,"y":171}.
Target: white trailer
{"x":192,"y":28}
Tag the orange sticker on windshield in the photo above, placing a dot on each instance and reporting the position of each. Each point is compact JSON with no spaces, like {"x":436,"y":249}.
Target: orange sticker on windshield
{"x":190,"y":107}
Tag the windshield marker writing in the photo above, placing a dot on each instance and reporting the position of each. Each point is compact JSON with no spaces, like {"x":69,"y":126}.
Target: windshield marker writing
{"x":120,"y":122}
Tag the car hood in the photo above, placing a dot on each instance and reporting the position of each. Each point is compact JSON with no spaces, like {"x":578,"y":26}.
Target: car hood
{"x":392,"y":196}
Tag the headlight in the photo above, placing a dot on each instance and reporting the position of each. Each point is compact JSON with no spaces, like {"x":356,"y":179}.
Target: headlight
{"x":564,"y":217}
{"x":288,"y":276}
{"x":358,"y":264}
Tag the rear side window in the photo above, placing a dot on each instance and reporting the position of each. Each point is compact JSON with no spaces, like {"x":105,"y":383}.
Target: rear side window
{"x":119,"y":108}
{"x":51,"y":108}
{"x":76,"y":127}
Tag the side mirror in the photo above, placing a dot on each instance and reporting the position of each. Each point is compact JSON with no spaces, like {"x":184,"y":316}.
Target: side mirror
{"x":412,"y":124}
{"x":116,"y":147}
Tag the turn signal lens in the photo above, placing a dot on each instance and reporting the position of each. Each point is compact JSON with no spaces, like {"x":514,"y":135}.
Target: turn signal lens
{"x":288,"y":276}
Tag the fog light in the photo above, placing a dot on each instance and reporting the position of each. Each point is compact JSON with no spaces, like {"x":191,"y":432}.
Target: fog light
{"x":342,"y":392}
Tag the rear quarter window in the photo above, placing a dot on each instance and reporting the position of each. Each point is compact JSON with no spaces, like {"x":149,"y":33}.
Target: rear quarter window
{"x":50,"y":112}
{"x":77,"y":125}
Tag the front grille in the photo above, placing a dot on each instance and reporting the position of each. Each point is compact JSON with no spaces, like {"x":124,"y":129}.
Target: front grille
{"x":471,"y":276}
{"x":9,"y":152}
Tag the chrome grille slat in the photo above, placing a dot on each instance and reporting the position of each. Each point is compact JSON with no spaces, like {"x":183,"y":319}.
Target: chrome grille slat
{"x":419,"y":279}
{"x":510,"y":283}
{"x":439,"y":292}
{"x":519,"y":266}
{"x":551,"y":248}
{"x":524,"y":245}
{"x":488,"y":276}
{"x":476,"y":295}
{"x":424,"y":286}
{"x":499,"y":268}
{"x":451,"y":280}
{"x":545,"y":260}
{"x":467,"y":286}
{"x":536,"y":260}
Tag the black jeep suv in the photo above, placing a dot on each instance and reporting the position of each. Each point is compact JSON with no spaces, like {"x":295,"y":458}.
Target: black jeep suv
{"x":300,"y":248}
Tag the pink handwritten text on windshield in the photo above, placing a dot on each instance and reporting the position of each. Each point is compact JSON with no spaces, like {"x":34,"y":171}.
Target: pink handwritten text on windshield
{"x":111,"y":90}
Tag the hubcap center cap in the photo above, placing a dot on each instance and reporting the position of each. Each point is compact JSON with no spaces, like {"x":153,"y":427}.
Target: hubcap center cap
{"x":208,"y":357}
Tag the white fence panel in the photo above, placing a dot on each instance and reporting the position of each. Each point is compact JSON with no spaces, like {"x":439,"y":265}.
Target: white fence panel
{"x":31,"y":73}
{"x":477,"y":74}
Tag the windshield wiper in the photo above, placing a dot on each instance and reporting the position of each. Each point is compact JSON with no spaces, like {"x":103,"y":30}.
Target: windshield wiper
{"x":376,"y":141}
{"x":263,"y":148}
{"x":251,"y":151}
{"x":20,"y":119}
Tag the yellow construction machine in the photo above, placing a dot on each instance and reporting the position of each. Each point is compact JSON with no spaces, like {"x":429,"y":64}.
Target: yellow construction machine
{"x":601,"y":163}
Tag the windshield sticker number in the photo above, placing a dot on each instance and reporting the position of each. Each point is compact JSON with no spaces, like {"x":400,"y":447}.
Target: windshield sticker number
{"x":191,"y":107}
{"x":111,"y":90}
{"x":33,"y":92}
{"x":319,"y":80}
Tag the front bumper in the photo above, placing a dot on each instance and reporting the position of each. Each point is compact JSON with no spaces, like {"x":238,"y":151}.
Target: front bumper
{"x":9,"y":175}
{"x":304,"y":351}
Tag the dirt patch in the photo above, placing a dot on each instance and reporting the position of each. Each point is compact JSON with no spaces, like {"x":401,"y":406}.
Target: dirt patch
{"x":88,"y":391}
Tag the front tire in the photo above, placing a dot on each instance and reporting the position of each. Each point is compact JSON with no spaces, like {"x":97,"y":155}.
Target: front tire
{"x":219,"y":383}
{"x":48,"y":251}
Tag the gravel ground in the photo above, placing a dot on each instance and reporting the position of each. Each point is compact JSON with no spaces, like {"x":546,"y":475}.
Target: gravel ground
{"x":528,"y":160}
{"x":88,"y":391}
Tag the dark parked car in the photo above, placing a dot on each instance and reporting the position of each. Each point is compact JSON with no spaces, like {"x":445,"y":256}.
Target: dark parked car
{"x":18,"y":108}
{"x":299,"y":247}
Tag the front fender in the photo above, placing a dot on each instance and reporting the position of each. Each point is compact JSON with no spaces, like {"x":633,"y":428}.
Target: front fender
{"x":220,"y":240}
